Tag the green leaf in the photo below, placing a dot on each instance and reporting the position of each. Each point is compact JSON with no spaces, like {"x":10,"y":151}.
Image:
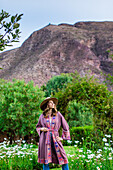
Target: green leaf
{"x":16,"y":25}
{"x":19,"y":17}
{"x":17,"y":31}
{"x":8,"y":37}
{"x":12,"y":19}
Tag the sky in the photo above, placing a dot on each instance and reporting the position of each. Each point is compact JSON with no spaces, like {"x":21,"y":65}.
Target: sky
{"x":39,"y":13}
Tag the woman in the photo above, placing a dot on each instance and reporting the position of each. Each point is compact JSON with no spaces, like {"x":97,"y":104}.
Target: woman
{"x":50,"y":146}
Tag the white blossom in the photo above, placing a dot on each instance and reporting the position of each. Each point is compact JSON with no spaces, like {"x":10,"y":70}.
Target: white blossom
{"x":104,"y":139}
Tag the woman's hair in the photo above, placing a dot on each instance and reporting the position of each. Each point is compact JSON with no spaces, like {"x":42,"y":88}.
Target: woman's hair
{"x":54,"y":111}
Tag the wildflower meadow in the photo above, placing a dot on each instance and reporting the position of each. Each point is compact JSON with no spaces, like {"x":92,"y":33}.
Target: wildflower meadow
{"x":21,"y":155}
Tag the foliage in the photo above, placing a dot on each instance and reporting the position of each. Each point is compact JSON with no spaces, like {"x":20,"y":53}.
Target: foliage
{"x":109,"y":77}
{"x":88,"y":136}
{"x":92,"y":94}
{"x":19,"y":108}
{"x":9,"y":30}
{"x":78,"y":133}
{"x":56,"y":83}
{"x":20,"y":157}
{"x":78,"y":114}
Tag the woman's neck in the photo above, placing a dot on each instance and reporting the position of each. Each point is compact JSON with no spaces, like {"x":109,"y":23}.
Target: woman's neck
{"x":50,"y":112}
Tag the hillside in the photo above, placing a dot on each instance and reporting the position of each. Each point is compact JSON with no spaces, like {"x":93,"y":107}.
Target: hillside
{"x":61,"y":48}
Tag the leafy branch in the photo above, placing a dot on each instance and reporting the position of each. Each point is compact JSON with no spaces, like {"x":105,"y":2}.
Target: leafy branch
{"x":10,"y":30}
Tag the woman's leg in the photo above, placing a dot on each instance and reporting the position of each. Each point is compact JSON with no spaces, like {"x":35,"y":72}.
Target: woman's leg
{"x":52,"y":143}
{"x":65,"y":167}
{"x":45,"y":166}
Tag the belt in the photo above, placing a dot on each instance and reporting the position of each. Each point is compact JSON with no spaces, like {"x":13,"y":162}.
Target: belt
{"x":48,"y":135}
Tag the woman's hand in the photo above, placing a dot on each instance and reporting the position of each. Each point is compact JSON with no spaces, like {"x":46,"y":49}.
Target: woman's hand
{"x":58,"y":138}
{"x":44,"y":129}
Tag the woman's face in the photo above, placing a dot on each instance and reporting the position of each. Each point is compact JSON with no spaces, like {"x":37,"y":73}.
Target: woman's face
{"x":51,"y":104}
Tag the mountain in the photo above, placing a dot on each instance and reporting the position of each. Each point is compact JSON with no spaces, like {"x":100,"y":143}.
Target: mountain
{"x":61,"y":48}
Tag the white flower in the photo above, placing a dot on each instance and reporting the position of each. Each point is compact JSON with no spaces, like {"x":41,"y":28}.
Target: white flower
{"x":108,"y":136}
{"x":104,"y":139}
{"x":76,"y":141}
{"x":87,"y":160}
{"x":80,"y":150}
{"x":23,"y":141}
{"x":83,"y":156}
{"x":88,"y":151}
{"x":5,"y":139}
{"x":110,"y":158}
{"x":98,"y":156}
{"x":2,"y":156}
{"x":69,"y":141}
{"x":98,"y":168}
{"x":70,"y":155}
{"x":110,"y":149}
{"x":91,"y":156}
{"x":100,"y":150}
{"x":106,"y":144}
{"x":75,"y":145}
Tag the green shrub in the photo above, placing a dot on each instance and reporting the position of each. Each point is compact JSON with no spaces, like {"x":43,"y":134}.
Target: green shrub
{"x":89,"y":92}
{"x":89,"y":136}
{"x":78,"y":133}
{"x":78,"y":114}
{"x":56,"y":83}
{"x":19,"y":108}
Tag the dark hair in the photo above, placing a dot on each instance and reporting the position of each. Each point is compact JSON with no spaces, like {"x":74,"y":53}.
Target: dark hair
{"x":54,"y":111}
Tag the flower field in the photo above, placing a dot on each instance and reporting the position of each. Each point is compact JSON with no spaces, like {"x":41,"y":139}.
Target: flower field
{"x":24,"y":156}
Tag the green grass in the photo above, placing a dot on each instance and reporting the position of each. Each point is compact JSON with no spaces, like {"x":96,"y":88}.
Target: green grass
{"x":25,"y":158}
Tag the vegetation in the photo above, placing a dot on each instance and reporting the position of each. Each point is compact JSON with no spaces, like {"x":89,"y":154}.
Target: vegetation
{"x":87,"y":106}
{"x":9,"y":30}
{"x":19,"y":108}
{"x":78,"y":114}
{"x":93,"y":95}
{"x":56,"y":83}
{"x":23,"y":156}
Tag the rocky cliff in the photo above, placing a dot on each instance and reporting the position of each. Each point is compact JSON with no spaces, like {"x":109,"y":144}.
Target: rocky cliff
{"x":61,"y":48}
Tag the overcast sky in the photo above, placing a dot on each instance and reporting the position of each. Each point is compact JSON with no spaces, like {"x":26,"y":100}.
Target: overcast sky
{"x":39,"y":13}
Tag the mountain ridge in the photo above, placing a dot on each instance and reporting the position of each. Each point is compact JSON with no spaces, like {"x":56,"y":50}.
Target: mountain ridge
{"x":61,"y":48}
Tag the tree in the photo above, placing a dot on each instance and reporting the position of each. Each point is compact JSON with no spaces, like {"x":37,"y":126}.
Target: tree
{"x":19,"y":108}
{"x":9,"y":30}
{"x":78,"y":114}
{"x":56,"y":83}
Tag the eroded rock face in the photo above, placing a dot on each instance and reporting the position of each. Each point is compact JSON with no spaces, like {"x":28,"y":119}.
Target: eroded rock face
{"x":61,"y":49}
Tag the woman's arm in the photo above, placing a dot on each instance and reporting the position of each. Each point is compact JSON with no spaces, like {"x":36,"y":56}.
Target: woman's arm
{"x":39,"y":126}
{"x":65,"y":126}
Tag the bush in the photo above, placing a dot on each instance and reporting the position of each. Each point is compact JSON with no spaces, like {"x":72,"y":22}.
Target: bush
{"x":78,"y":133}
{"x":78,"y":114}
{"x":56,"y":83}
{"x":19,"y":108}
{"x":89,"y":136}
{"x":89,"y":92}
